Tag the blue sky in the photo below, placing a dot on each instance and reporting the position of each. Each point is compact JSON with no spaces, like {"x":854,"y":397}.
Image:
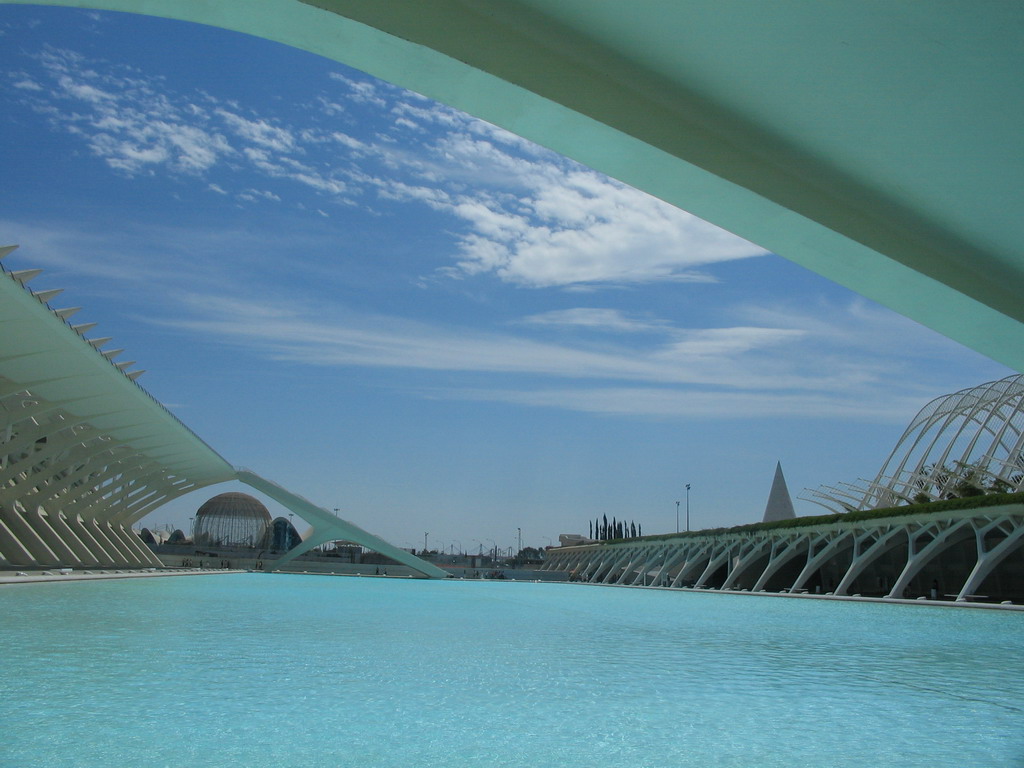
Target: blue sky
{"x":418,"y":318}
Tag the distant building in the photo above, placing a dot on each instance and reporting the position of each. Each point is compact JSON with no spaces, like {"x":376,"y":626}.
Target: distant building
{"x":231,"y":520}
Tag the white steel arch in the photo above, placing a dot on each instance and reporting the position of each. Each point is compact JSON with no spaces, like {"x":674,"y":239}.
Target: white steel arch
{"x":964,"y":443}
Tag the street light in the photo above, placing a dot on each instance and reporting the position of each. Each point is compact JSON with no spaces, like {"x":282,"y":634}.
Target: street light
{"x":677,"y":517}
{"x":425,"y":534}
{"x":687,"y":507}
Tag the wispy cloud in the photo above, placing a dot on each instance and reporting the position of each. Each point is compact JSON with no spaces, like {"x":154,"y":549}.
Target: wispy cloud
{"x":729,"y":372}
{"x":515,"y":211}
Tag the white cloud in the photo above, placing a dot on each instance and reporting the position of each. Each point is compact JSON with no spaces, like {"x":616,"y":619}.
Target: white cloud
{"x":696,"y":404}
{"x":595,"y":319}
{"x":259,"y":132}
{"x":517,"y":212}
{"x":671,"y":372}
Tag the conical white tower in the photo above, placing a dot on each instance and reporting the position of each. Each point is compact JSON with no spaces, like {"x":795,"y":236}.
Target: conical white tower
{"x":780,"y":505}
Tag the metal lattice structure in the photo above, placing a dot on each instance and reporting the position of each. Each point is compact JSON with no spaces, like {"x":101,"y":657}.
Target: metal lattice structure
{"x":231,"y":520}
{"x":963,"y":444}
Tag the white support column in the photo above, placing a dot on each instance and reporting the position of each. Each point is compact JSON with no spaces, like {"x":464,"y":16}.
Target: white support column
{"x":755,"y":552}
{"x":60,"y":524}
{"x":132,"y":545}
{"x":102,"y":534}
{"x":918,"y":559}
{"x":11,"y":548}
{"x":782,"y":552}
{"x":634,"y":555}
{"x":988,"y":560}
{"x":30,"y":540}
{"x":41,"y":525}
{"x":839,"y":539}
{"x":696,"y":555}
{"x":78,"y":525}
{"x":716,"y":562}
{"x":861,"y":560}
{"x":653,"y":555}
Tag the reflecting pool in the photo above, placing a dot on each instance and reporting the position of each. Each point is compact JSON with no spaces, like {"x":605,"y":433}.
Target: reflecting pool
{"x":278,"y":670}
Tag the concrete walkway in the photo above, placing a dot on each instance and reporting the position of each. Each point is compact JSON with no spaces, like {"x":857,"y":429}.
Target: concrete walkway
{"x":68,"y":574}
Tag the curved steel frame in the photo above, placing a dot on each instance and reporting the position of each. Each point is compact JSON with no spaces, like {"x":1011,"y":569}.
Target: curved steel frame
{"x":973,"y":438}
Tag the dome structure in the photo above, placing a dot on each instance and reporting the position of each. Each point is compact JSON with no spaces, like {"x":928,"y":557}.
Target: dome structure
{"x":231,"y":520}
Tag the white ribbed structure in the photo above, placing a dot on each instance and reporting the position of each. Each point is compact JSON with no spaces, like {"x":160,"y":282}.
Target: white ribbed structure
{"x":85,"y":452}
{"x":957,"y":445}
{"x":953,"y":552}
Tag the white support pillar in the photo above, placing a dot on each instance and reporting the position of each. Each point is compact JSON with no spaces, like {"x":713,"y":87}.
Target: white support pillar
{"x":714,"y":563}
{"x":839,"y":539}
{"x":696,"y":556}
{"x":862,"y":559}
{"x":30,"y":540}
{"x":918,"y":559}
{"x":96,"y":549}
{"x":755,"y":551}
{"x":782,"y":552}
{"x":60,"y":524}
{"x":988,"y":560}
{"x":41,"y":524}
{"x":11,"y":548}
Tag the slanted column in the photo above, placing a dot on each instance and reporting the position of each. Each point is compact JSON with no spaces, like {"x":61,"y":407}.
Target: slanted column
{"x":815,"y":561}
{"x":30,"y":540}
{"x":862,"y":559}
{"x":41,"y":525}
{"x":989,"y":559}
{"x":694,"y":558}
{"x":96,"y":549}
{"x":12,"y":550}
{"x":60,"y":524}
{"x":756,"y":551}
{"x":716,"y":562}
{"x":102,"y":535}
{"x":919,"y":558}
{"x":782,"y":553}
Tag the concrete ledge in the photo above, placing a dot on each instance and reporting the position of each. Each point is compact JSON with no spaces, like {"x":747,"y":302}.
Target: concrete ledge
{"x":93,"y":574}
{"x":807,"y":596}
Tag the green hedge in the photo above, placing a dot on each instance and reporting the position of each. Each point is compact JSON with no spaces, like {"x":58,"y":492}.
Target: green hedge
{"x":970,"y":502}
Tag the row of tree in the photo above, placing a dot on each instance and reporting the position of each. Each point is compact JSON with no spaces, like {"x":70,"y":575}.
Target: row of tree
{"x":602,"y":530}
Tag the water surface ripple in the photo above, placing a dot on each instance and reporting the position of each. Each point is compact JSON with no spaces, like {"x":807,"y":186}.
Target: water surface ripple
{"x":275,"y":670}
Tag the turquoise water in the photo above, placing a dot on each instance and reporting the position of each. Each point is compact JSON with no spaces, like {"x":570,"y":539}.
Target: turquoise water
{"x":274,"y":670}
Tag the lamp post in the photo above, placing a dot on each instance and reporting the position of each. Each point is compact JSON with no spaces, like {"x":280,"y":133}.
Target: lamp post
{"x":677,"y":517}
{"x":687,"y":507}
{"x":425,"y":534}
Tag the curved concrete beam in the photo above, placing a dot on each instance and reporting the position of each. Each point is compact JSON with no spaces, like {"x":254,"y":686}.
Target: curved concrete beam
{"x":328,"y":527}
